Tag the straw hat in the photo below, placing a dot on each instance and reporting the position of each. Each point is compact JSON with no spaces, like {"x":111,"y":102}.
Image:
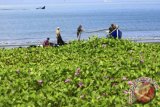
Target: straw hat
{"x":58,"y":27}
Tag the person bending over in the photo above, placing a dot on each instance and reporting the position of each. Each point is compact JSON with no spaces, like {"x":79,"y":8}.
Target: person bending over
{"x":46,"y":43}
{"x":58,"y":36}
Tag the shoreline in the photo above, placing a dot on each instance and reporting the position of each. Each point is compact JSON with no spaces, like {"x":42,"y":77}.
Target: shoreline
{"x":36,"y":44}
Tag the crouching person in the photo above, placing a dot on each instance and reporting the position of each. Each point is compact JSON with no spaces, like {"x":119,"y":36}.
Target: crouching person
{"x":46,"y":43}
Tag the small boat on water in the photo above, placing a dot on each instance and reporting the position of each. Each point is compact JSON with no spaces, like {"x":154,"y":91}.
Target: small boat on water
{"x":44,"y":7}
{"x":116,"y":34}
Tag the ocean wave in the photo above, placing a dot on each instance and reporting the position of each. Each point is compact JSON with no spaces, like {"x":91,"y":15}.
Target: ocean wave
{"x":20,"y":39}
{"x":12,"y":9}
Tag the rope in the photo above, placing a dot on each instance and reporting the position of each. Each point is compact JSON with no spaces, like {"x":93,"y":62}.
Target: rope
{"x":96,"y":31}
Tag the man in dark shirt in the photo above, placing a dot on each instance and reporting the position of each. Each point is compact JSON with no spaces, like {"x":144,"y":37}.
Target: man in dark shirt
{"x":112,"y":27}
{"x":79,"y":31}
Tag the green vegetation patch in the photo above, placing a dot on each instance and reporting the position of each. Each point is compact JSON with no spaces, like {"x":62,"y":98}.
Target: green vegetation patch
{"x":86,"y":73}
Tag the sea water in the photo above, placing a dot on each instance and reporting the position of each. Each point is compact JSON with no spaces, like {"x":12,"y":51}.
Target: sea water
{"x":19,"y":25}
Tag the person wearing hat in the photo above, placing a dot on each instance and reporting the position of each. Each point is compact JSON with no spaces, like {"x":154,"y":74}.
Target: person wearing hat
{"x":58,"y":36}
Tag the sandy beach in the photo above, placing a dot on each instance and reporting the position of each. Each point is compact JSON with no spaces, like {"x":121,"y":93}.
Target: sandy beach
{"x":40,"y":44}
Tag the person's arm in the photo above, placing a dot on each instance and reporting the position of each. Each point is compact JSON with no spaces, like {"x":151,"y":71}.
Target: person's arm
{"x":82,"y":30}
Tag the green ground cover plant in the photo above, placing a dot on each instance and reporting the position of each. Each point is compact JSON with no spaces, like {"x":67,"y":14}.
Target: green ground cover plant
{"x":92,"y":73}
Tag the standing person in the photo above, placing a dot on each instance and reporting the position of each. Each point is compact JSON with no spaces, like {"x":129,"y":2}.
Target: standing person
{"x":58,"y":36}
{"x":46,"y":43}
{"x":79,"y":31}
